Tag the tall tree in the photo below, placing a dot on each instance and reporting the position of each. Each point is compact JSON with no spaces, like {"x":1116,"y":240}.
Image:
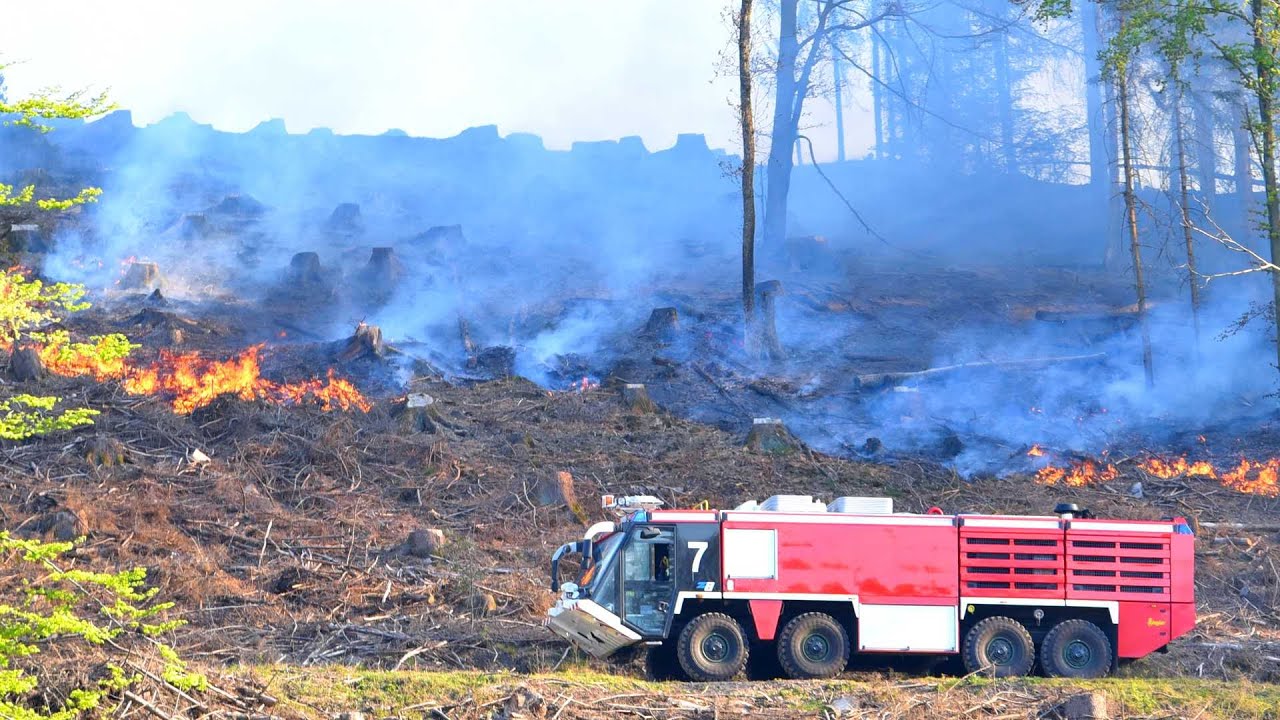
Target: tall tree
{"x":748,"y":128}
{"x":796,"y":61}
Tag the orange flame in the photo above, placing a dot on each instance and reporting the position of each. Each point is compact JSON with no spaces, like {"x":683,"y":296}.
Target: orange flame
{"x":1255,"y":477}
{"x":1035,"y":451}
{"x":1079,"y":474}
{"x":194,"y":381}
{"x":584,"y":384}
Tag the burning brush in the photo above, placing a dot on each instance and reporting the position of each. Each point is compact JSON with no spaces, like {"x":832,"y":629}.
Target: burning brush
{"x":192,"y":381}
{"x":1255,"y":477}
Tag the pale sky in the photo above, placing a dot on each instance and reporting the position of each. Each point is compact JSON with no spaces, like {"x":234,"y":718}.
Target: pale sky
{"x":564,"y":69}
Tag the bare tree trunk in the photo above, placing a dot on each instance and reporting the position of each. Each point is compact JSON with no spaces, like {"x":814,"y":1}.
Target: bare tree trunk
{"x":1206,"y":149}
{"x":877,"y":98}
{"x":837,"y":74}
{"x":1131,"y":215}
{"x":1099,"y":158}
{"x":1243,"y":167}
{"x":784,"y":134}
{"x":748,"y":170}
{"x":1265,"y":86}
{"x":1179,"y":144}
{"x":1004,"y":86}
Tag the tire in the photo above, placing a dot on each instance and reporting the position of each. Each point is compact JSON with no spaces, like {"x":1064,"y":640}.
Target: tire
{"x":661,"y":665}
{"x":1076,"y":649}
{"x":712,"y":648}
{"x":813,"y":645}
{"x":999,"y":647}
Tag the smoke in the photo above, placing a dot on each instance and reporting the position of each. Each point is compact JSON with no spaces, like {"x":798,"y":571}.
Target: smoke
{"x":560,"y":256}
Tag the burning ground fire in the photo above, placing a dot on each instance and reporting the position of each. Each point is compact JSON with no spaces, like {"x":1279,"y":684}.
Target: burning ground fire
{"x":1257,"y":477}
{"x":193,"y":381}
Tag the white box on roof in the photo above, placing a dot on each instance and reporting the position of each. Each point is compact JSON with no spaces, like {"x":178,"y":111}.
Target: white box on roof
{"x":862,"y":505}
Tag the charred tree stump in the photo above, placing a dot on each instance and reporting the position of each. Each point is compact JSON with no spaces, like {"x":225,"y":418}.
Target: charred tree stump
{"x":636,"y":397}
{"x":304,"y":269}
{"x":157,"y":299}
{"x":770,"y":436}
{"x":365,"y":342}
{"x":381,"y":275}
{"x":663,"y":324}
{"x":345,"y":219}
{"x":104,"y":451}
{"x":193,"y":226}
{"x":766,"y":320}
{"x":384,"y":267}
{"x":141,"y":276}
{"x":464,"y":332}
{"x":25,"y":365}
{"x":495,"y":362}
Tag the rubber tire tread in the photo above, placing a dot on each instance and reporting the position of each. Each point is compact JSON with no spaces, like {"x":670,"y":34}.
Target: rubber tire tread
{"x":794,"y":667}
{"x":685,"y":646}
{"x":980,"y":633}
{"x":1103,"y":658}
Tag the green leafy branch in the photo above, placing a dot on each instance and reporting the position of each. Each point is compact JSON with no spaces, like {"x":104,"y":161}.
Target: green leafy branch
{"x":42,"y":604}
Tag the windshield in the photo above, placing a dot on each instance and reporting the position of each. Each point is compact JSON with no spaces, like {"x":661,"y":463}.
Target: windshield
{"x":600,"y":580}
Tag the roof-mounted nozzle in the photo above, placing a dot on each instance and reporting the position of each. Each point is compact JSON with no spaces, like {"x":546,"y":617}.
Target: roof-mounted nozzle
{"x":1066,"y":511}
{"x":627,"y":504}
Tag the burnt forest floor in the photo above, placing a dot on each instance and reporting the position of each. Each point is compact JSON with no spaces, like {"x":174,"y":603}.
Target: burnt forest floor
{"x":285,"y":542}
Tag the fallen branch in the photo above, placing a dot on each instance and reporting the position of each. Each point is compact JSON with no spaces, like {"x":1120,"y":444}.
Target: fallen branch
{"x":877,"y":380}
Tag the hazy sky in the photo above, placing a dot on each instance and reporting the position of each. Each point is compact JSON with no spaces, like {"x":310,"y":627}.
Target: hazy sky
{"x":565,"y":69}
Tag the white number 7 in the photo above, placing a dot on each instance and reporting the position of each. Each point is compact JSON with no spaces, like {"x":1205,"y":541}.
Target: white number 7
{"x":701,"y":547}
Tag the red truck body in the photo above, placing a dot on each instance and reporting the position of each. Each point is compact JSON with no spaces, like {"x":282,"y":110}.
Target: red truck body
{"x":883,"y":582}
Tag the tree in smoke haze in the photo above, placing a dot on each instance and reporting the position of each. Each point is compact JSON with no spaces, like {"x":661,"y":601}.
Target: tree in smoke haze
{"x":747,"y":122}
{"x":800,"y":50}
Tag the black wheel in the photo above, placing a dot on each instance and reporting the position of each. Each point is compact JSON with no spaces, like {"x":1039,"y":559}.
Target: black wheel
{"x":813,"y":645}
{"x":1076,"y":649}
{"x":661,"y":665}
{"x":1000,"y":647}
{"x":712,"y":647}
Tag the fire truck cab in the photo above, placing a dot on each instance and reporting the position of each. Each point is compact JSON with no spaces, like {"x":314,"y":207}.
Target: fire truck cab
{"x":803,"y":584}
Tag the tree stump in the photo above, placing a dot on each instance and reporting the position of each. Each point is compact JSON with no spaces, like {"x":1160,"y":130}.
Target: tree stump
{"x":770,"y":436}
{"x":157,"y":299}
{"x":384,"y":267}
{"x":25,"y":365}
{"x":766,"y":320}
{"x":193,"y":226}
{"x":636,"y":397}
{"x":304,"y":269}
{"x":1086,"y":706}
{"x":27,"y":239}
{"x":345,"y":219}
{"x":418,"y":414}
{"x":425,"y":543}
{"x":104,"y":451}
{"x":557,"y":490}
{"x":495,"y":362}
{"x":663,"y":324}
{"x":141,"y":276}
{"x":365,"y":342}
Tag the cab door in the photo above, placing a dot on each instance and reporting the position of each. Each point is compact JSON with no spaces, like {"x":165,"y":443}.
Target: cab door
{"x":648,"y":580}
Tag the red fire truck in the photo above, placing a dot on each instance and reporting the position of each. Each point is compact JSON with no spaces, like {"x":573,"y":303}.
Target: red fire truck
{"x":808,"y":584}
